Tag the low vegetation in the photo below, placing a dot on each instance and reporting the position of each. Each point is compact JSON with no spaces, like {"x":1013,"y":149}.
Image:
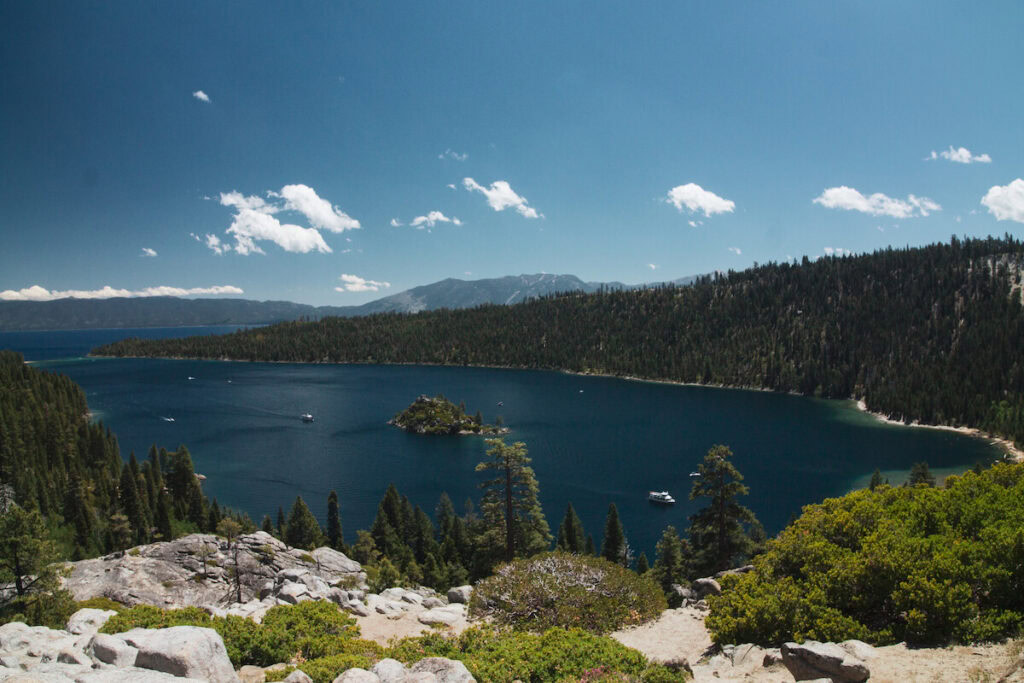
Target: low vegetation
{"x":566,"y":590}
{"x":919,"y":564}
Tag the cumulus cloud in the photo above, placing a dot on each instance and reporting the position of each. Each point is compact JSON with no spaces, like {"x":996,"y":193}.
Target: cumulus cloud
{"x":449,"y":154}
{"x":960,"y":155}
{"x":837,"y":251}
{"x":878,"y":204}
{"x":37,"y":293}
{"x":735,"y":250}
{"x":201,"y":96}
{"x":1006,"y":202}
{"x":451,"y":186}
{"x":354,"y":283}
{"x":395,"y":223}
{"x":433,"y":218}
{"x":255,"y":220}
{"x":501,"y":196}
{"x":695,"y":198}
{"x":146,"y":251}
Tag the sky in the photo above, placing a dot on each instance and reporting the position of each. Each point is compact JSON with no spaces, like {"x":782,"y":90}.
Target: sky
{"x":337,"y":152}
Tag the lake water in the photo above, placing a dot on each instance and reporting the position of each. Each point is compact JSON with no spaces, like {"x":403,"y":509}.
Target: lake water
{"x":593,"y":440}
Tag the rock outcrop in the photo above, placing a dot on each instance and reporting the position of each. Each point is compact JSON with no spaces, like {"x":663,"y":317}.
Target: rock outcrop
{"x":194,"y":571}
{"x":813,"y":660}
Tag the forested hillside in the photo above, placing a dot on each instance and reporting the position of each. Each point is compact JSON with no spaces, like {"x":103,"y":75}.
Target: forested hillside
{"x":52,"y":458}
{"x":931,"y":334}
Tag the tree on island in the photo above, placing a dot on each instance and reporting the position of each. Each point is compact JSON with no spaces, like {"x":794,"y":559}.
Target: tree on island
{"x":614,"y":546}
{"x":510,"y":505}
{"x":717,"y":532}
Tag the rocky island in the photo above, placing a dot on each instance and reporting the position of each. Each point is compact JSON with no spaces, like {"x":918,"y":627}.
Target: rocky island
{"x":438,"y":415}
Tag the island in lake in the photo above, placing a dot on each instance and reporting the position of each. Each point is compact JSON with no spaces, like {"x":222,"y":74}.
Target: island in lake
{"x":438,"y":415}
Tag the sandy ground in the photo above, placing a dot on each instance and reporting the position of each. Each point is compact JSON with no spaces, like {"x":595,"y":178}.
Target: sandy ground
{"x":381,"y":629}
{"x":681,"y":633}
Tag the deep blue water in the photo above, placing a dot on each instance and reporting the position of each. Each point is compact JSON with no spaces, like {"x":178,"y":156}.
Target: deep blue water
{"x":593,"y":440}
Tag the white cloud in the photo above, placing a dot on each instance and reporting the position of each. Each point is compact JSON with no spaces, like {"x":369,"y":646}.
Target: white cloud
{"x":395,"y":223}
{"x":201,"y":96}
{"x":837,"y":251}
{"x":432,"y":219}
{"x":255,"y":220}
{"x":878,"y":204}
{"x":146,"y":251}
{"x":1006,"y":202}
{"x":37,"y":293}
{"x":451,"y":186}
{"x":735,"y":250}
{"x":319,"y":212}
{"x":449,"y":154}
{"x":695,"y":198}
{"x":652,"y":266}
{"x":960,"y":155}
{"x":354,"y":283}
{"x":501,"y":196}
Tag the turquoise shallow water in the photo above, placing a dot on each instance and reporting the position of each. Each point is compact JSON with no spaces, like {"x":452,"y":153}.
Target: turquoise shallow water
{"x":593,"y":440}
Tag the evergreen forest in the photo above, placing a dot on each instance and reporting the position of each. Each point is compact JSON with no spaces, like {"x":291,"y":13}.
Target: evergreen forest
{"x":930,"y":334}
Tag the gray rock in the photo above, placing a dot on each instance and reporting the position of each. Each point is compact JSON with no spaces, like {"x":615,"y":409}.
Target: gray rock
{"x":859,"y":649}
{"x":357,"y":608}
{"x":252,"y":674}
{"x":823,"y":660}
{"x":293,"y":593}
{"x":389,"y":671}
{"x":446,"y":670}
{"x":746,"y":653}
{"x":298,"y":676}
{"x":438,"y":616}
{"x":72,"y":656}
{"x":163,"y":573}
{"x":112,"y":650}
{"x":705,"y":587}
{"x":420,"y":677}
{"x":129,"y":675}
{"x":460,"y":594}
{"x":188,"y":651}
{"x":683,"y":592}
{"x":357,"y":676}
{"x":772,"y":657}
{"x":431,"y":603}
{"x":88,"y":621}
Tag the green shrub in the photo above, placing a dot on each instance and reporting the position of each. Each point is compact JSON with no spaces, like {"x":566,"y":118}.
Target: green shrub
{"x":928,"y":566}
{"x":561,"y":589}
{"x":101,"y":603}
{"x":49,"y":608}
{"x":557,"y":654}
{"x":325,"y":669}
{"x":309,"y":630}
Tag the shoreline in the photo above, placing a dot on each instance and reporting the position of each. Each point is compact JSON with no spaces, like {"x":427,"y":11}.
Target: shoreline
{"x":1006,"y":445}
{"x":1009,"y":449}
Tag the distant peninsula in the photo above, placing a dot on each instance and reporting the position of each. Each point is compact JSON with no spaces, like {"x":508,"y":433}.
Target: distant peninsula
{"x":438,"y":415}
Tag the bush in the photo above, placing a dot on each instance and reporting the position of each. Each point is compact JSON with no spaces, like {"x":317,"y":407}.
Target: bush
{"x":100,"y":603}
{"x":309,"y":630}
{"x":325,"y":669}
{"x":928,"y":566}
{"x":557,"y":654}
{"x":49,"y":608}
{"x":561,"y":589}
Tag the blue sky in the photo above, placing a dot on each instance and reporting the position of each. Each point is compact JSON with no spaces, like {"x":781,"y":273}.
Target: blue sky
{"x":614,"y":141}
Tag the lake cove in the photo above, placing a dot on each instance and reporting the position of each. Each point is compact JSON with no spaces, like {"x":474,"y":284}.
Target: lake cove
{"x":593,"y":440}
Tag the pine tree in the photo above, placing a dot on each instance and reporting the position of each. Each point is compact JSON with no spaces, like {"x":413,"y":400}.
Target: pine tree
{"x":615,"y":547}
{"x":445,"y":514}
{"x":876,"y":480}
{"x":590,"y":548}
{"x":267,"y":525}
{"x":571,"y":537}
{"x":129,"y":498}
{"x":641,"y":564}
{"x":920,"y":475}
{"x":280,"y":522}
{"x":716,"y":532}
{"x":335,"y":538}
{"x":230,"y":529}
{"x":510,"y":504}
{"x":303,"y":531}
{"x":670,"y":563}
{"x":163,"y":517}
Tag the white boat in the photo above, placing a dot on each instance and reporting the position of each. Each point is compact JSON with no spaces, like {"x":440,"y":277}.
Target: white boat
{"x":694,"y":474}
{"x":306,"y":417}
{"x":660,"y":497}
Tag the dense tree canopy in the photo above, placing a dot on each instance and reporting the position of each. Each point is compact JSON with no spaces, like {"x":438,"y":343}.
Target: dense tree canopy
{"x":930,"y":334}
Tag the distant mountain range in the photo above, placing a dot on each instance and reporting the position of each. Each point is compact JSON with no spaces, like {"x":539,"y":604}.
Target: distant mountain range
{"x":71,"y":314}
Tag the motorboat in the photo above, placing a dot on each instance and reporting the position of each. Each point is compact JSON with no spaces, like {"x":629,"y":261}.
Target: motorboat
{"x":660,"y":497}
{"x":306,"y":417}
{"x":694,"y":474}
